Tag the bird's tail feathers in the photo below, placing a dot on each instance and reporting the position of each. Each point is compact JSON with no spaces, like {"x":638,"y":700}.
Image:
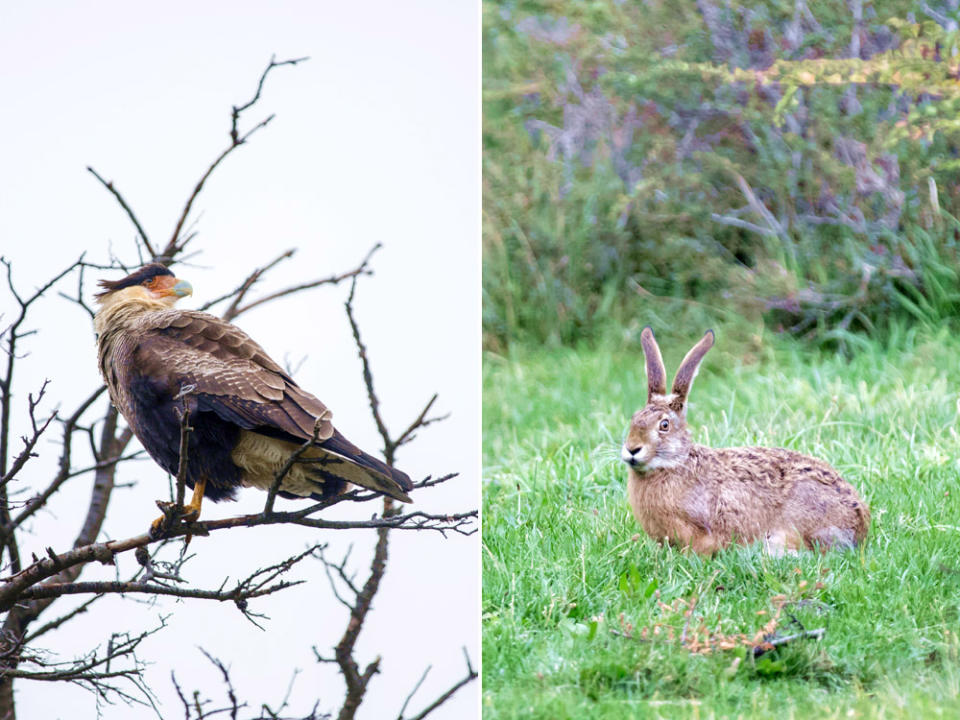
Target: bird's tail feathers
{"x":367,"y":471}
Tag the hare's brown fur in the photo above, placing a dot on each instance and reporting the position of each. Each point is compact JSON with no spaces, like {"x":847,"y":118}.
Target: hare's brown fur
{"x":705,"y":498}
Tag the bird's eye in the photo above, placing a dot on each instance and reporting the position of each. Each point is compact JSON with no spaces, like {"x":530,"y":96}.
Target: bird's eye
{"x":664,"y":425}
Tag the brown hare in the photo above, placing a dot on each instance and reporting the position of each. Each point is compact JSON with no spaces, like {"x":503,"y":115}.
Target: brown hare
{"x":706,"y":498}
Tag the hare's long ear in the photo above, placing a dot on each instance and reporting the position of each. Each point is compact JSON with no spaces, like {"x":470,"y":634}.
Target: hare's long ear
{"x":688,"y":371}
{"x":656,"y":374}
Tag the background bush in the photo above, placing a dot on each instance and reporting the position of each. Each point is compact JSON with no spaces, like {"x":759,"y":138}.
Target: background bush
{"x":781,"y":163}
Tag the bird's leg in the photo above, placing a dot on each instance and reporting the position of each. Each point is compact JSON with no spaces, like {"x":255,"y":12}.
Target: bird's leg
{"x":189,"y":512}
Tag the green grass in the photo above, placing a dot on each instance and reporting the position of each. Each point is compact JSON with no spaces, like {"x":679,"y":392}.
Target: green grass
{"x":566,"y":567}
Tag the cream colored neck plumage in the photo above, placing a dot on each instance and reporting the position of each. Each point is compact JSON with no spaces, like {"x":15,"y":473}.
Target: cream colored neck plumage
{"x":119,"y":309}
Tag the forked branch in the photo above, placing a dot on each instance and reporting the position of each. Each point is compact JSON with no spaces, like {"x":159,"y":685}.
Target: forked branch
{"x":175,"y":245}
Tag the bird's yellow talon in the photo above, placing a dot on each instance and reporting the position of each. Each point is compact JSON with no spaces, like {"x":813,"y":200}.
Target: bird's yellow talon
{"x":171,"y":513}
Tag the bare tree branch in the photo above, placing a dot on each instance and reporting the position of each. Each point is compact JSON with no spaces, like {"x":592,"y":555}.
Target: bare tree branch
{"x":127,"y":209}
{"x":174,"y":511}
{"x":241,"y":291}
{"x":65,"y":471}
{"x":467,"y":679}
{"x":231,"y":694}
{"x":30,"y":442}
{"x":356,"y":680}
{"x":93,"y":670}
{"x":13,"y":336}
{"x":14,"y":585}
{"x":236,"y":140}
{"x":421,"y":421}
{"x":200,"y":708}
{"x":54,"y":624}
{"x":403,"y":708}
{"x":362,"y":269}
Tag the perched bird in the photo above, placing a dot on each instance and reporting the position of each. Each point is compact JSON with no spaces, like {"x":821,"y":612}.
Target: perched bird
{"x":248,"y":415}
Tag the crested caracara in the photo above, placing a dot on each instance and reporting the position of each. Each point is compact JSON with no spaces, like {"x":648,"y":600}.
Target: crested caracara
{"x":248,"y":416}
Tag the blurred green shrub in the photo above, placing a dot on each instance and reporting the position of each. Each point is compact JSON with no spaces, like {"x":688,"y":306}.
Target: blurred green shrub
{"x":784,"y":162}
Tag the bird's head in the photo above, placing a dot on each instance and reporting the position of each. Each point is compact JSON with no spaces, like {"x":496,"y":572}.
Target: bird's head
{"x":152,"y":284}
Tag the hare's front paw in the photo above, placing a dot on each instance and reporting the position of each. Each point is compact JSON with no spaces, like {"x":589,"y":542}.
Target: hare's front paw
{"x":779,"y":543}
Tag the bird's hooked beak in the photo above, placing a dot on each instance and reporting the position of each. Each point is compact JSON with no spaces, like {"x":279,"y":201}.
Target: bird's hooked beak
{"x":182,"y":288}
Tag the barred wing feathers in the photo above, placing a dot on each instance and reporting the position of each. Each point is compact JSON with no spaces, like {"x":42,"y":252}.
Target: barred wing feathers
{"x":250,"y":410}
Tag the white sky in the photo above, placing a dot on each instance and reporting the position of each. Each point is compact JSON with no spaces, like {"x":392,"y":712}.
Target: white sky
{"x":376,"y":139}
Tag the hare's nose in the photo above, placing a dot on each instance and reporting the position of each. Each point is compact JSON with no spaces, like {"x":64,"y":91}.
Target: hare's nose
{"x":629,"y":456}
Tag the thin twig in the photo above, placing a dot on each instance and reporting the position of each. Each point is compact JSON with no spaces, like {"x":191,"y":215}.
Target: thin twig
{"x":240,"y":292}
{"x":285,"y":468}
{"x":127,"y":209}
{"x":236,"y":140}
{"x":332,"y":280}
{"x":54,"y":624}
{"x":403,"y":708}
{"x":468,"y":678}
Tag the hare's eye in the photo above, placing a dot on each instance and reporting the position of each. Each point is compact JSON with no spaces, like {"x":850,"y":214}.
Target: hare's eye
{"x":664,"y":425}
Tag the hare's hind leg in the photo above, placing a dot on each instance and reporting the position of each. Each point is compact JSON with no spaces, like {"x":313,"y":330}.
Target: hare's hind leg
{"x":833,"y":538}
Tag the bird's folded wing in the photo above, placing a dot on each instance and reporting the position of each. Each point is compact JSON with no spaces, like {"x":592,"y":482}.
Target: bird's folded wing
{"x":231,"y":374}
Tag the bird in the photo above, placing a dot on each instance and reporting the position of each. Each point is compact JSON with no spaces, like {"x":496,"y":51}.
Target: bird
{"x":248,"y":416}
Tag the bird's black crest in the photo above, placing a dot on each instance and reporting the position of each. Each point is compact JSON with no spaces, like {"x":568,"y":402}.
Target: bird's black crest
{"x":147,"y":272}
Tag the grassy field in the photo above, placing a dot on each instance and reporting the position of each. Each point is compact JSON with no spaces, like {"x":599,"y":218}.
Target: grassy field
{"x":586,"y":617}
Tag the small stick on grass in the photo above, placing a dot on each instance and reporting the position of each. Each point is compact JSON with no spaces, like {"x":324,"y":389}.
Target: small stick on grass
{"x":776,"y":642}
